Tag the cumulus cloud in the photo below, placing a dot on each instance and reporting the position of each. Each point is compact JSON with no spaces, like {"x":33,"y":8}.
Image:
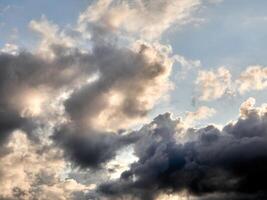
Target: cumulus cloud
{"x":129,"y":85}
{"x":31,"y":170}
{"x":213,"y":164}
{"x":148,"y":19}
{"x":119,"y":100}
{"x":246,"y":106}
{"x":253,"y":78}
{"x":213,"y":84}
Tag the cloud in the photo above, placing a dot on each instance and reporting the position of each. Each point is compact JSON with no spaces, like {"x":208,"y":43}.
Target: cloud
{"x":10,"y":49}
{"x":33,"y":170}
{"x":130,"y":83}
{"x":30,"y":86}
{"x":201,"y":113}
{"x":246,"y":106}
{"x":99,"y":93}
{"x":51,"y":36}
{"x":213,"y":84}
{"x":226,"y":164}
{"x":186,"y":64}
{"x":86,"y":148}
{"x":148,"y":19}
{"x":253,"y":78}
{"x":29,"y":83}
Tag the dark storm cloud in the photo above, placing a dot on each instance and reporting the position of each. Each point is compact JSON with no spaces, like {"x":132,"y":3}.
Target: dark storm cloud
{"x":86,"y":148}
{"x":213,"y":164}
{"x":9,"y":120}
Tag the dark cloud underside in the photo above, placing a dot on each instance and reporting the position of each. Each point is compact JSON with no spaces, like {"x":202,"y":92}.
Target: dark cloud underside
{"x":228,"y":164}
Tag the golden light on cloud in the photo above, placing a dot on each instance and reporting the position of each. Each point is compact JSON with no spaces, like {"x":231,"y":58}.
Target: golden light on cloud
{"x":115,"y":99}
{"x":181,"y":196}
{"x":111,"y":118}
{"x":32,"y":103}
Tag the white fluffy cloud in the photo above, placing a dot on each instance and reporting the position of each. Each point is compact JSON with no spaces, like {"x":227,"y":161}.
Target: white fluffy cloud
{"x":50,"y":35}
{"x":148,"y":19}
{"x":253,"y":78}
{"x":213,"y":84}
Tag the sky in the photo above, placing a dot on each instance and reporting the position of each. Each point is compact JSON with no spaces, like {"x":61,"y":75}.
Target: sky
{"x":133,"y":99}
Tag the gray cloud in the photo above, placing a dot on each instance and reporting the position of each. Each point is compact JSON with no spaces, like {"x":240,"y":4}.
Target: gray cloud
{"x":27,"y":79}
{"x":129,"y":84}
{"x":123,"y":93}
{"x":30,"y":168}
{"x":87,"y":148}
{"x":212,"y":164}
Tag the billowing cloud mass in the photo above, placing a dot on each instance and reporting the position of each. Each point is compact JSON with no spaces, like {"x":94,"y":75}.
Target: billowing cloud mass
{"x":104,"y":89}
{"x":126,"y":80}
{"x":212,"y":163}
{"x":30,"y":166}
{"x":75,"y":113}
{"x":129,"y":84}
